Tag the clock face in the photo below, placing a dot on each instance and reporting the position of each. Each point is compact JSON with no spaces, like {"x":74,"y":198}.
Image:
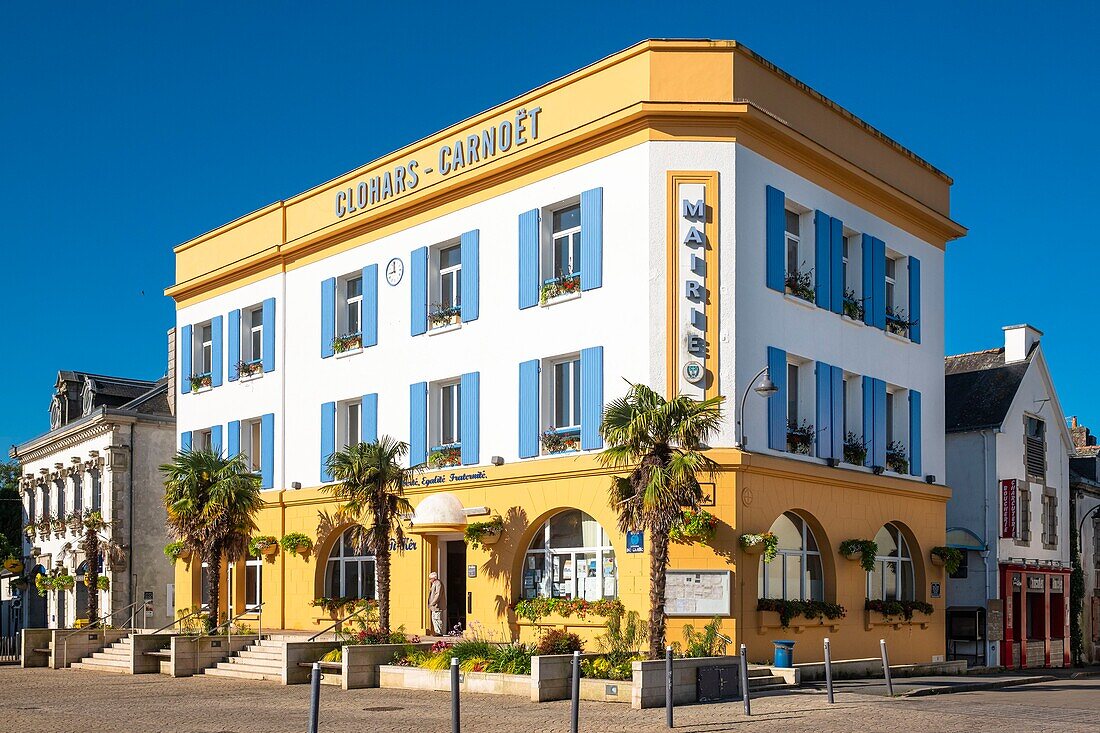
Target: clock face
{"x":394,"y":270}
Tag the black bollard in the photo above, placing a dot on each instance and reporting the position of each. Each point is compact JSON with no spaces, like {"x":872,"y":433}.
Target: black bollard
{"x":745,"y":680}
{"x":314,"y":697}
{"x":456,"y":713}
{"x":828,"y":671}
{"x":668,"y":687}
{"x":574,"y":721}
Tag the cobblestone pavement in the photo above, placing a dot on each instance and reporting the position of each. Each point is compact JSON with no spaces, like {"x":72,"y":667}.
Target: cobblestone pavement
{"x":40,"y":700}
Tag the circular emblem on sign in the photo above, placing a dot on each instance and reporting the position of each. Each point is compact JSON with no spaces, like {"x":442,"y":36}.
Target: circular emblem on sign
{"x":394,"y":270}
{"x":694,"y":372}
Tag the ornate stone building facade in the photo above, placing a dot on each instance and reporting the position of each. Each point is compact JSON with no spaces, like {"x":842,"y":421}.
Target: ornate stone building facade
{"x":107,"y":438}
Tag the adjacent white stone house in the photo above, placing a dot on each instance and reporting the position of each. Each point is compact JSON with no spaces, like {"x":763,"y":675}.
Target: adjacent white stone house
{"x":1008,"y":451}
{"x":108,"y":437}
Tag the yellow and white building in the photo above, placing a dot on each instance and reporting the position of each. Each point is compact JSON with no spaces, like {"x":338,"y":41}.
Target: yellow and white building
{"x":640,"y":219}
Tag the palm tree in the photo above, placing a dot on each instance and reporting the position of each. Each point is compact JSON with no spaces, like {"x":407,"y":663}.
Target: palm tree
{"x":95,"y":545}
{"x":661,"y":442}
{"x":212,"y":501}
{"x":370,"y":481}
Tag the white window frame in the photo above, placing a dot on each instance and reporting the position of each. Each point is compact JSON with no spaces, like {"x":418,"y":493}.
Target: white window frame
{"x":572,"y":363}
{"x":904,"y":556}
{"x":258,"y":589}
{"x":803,"y":555}
{"x":544,"y":587}
{"x":251,"y":443}
{"x":794,"y":393}
{"x":202,"y":439}
{"x":349,"y":423}
{"x":252,"y":348}
{"x":790,"y":238}
{"x":204,"y":592}
{"x":450,"y":390}
{"x":891,"y":282}
{"x":343,"y":553}
{"x":454,"y":272}
{"x":572,"y":237}
{"x":203,"y":349}
{"x":347,"y":305}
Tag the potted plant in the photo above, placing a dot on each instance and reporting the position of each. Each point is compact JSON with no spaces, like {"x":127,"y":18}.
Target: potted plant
{"x":445,"y":455}
{"x":176,"y":550}
{"x":905,"y":609}
{"x":563,"y":284}
{"x":800,"y":437}
{"x":853,"y":306}
{"x":766,"y":543}
{"x":249,"y":368}
{"x":440,"y":315}
{"x":264,"y":544}
{"x":347,"y":342}
{"x":897,"y":459}
{"x":948,"y":557}
{"x":102,"y":583}
{"x":855,"y":450}
{"x":483,"y":533}
{"x":800,"y":284}
{"x":64,"y":581}
{"x":296,"y":542}
{"x":560,"y":441}
{"x":862,"y":550}
{"x":43,"y":583}
{"x":694,"y":526}
{"x":897,"y":321}
{"x":200,"y":382}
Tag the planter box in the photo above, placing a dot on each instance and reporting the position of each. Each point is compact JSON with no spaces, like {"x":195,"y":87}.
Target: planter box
{"x":359,"y":667}
{"x":871,"y":619}
{"x":416,"y":678}
{"x":769,"y":620}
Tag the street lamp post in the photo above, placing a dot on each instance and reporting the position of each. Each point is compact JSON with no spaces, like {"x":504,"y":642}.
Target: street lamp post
{"x":765,"y":388}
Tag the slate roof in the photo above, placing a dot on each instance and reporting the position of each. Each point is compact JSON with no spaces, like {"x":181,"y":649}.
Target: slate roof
{"x":979,"y":389}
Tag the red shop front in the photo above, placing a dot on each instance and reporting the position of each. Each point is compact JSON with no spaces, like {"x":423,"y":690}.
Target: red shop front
{"x":1036,"y":616}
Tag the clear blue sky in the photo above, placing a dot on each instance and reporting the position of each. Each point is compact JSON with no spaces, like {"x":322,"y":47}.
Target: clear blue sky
{"x":126,"y":128}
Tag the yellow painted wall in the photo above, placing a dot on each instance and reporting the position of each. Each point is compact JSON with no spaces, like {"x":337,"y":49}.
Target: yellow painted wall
{"x":751,"y":491}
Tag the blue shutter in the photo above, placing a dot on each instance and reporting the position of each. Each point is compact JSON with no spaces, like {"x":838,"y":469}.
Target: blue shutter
{"x":529,"y":408}
{"x":216,"y":439}
{"x":914,"y":433}
{"x":878,"y":272}
{"x":529,"y":258}
{"x":418,"y":423}
{"x":823,"y":270}
{"x":185,"y":441}
{"x":186,"y":348}
{"x":328,"y":316}
{"x":267,"y":450}
{"x":234,"y":343}
{"x":418,"y":287}
{"x":592,"y":239}
{"x":867,"y":255}
{"x":368,"y":417}
{"x":591,"y":397}
{"x":869,"y":420}
{"x":838,"y":413}
{"x":328,"y":437}
{"x":836,"y":252}
{"x":269,"y":335}
{"x":370,"y":306}
{"x":824,"y":411}
{"x":914,"y":299}
{"x":470,"y":276}
{"x":470,"y":417}
{"x":216,"y":352}
{"x":776,"y":227}
{"x":233,"y":439}
{"x":777,"y":403}
{"x":880,"y":423}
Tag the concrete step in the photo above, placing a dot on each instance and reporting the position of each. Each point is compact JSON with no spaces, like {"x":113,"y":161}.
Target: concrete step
{"x":97,"y":666}
{"x":100,"y":658}
{"x":265,"y":654}
{"x":757,"y":684}
{"x":109,"y":657}
{"x":249,"y":665}
{"x":236,"y":672}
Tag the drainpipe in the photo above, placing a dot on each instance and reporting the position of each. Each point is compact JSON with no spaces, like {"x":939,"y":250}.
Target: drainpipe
{"x":989,"y":557}
{"x":130,"y":522}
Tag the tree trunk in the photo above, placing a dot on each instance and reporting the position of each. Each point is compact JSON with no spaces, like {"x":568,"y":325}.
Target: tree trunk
{"x":91,"y":573}
{"x":658,"y":564}
{"x":213,"y":570}
{"x":382,"y":565}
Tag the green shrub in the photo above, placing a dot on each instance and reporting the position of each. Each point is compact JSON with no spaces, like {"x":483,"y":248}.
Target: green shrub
{"x":511,"y":659}
{"x":706,"y":643}
{"x":559,"y":641}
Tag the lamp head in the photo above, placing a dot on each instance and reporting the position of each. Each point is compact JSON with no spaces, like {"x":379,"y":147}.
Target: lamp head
{"x":766,"y":387}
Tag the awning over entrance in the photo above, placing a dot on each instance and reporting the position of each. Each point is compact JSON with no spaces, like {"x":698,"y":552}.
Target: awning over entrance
{"x":438,"y":513}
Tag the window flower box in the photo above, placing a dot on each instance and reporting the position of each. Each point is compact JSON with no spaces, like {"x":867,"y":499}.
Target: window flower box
{"x":800,"y":284}
{"x":855,"y":450}
{"x":444,"y":456}
{"x":897,"y":458}
{"x":559,"y":287}
{"x":442,"y":316}
{"x":853,"y":307}
{"x":561,"y":440}
{"x":897,"y":322}
{"x":895,"y":613}
{"x":250,"y":369}
{"x":347,"y":343}
{"x":800,"y":438}
{"x":201,"y":382}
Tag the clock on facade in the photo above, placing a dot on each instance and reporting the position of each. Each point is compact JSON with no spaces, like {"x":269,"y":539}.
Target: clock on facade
{"x":394,"y":270}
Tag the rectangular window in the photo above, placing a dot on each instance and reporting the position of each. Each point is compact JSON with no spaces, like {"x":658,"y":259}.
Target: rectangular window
{"x":349,"y":419}
{"x":1035,"y":448}
{"x":1024,"y":512}
{"x":255,"y":323}
{"x":963,"y":570}
{"x":450,"y":427}
{"x":566,"y":242}
{"x":792,"y":394}
{"x":1050,"y":519}
{"x":204,"y":349}
{"x":844,"y":267}
{"x":450,"y":277}
{"x":253,"y":589}
{"x":204,"y":587}
{"x":567,"y":394}
{"x":793,"y":242}
{"x":889,"y":417}
{"x":891,"y":282}
{"x":250,"y":443}
{"x":352,"y":306}
{"x":201,"y":440}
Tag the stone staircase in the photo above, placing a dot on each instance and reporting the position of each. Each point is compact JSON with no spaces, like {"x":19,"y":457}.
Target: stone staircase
{"x":260,"y":661}
{"x":114,"y":658}
{"x":762,"y":679}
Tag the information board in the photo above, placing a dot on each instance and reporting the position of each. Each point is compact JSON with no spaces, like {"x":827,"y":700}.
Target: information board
{"x":697,"y":593}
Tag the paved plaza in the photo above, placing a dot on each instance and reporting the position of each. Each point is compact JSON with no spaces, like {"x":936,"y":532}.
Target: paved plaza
{"x":41,"y":700}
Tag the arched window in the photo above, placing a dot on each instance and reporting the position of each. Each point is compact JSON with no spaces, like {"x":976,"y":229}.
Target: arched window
{"x":350,"y":571}
{"x":892,"y":578}
{"x":570,"y":557}
{"x":795,"y":574}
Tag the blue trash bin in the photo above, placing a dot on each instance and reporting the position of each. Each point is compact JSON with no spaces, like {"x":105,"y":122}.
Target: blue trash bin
{"x":784,"y":654}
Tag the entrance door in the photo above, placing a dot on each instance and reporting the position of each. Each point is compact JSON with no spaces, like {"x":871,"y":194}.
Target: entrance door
{"x":455,"y":583}
{"x":61,"y":594}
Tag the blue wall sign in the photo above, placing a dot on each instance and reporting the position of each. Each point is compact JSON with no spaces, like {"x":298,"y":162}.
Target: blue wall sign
{"x":635,"y":541}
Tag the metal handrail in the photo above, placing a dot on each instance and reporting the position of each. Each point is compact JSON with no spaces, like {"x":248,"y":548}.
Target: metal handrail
{"x":350,"y":616}
{"x":181,"y":618}
{"x":228,"y":622}
{"x":102,"y":619}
